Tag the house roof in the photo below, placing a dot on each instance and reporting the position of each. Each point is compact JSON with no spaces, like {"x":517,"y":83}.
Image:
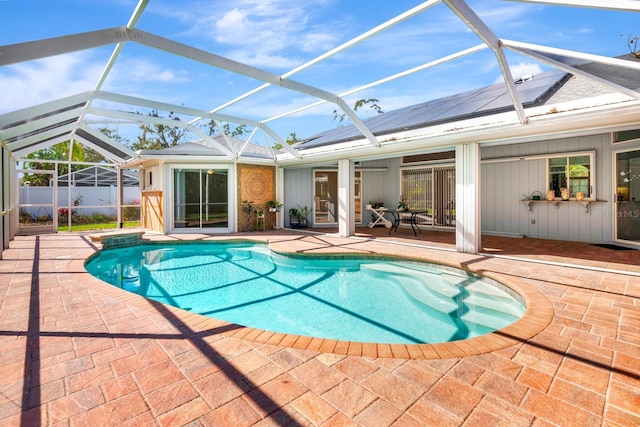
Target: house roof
{"x":202,"y":148}
{"x":78,"y":116}
{"x":478,"y":102}
{"x":550,"y":87}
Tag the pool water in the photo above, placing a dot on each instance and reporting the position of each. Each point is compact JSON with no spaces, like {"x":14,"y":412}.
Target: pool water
{"x":354,"y":299}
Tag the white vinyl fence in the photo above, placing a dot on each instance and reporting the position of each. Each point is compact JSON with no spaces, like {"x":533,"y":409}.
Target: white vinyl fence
{"x":38,"y":201}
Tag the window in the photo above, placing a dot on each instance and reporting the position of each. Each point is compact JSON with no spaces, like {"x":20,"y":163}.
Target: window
{"x":574,"y":172}
{"x":625,"y":136}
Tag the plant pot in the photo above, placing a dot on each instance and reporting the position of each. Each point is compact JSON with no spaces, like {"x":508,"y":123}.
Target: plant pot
{"x":551,"y":195}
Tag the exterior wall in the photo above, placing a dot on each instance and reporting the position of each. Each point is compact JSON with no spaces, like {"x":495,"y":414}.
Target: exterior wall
{"x":505,"y":184}
{"x":258,"y":185}
{"x":380,"y":185}
{"x":298,"y":191}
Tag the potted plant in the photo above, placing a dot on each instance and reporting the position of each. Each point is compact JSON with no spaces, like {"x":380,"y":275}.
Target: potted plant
{"x":299,"y":217}
{"x":274,"y":206}
{"x":247,"y":206}
{"x":259,"y":219}
{"x":375,"y":205}
{"x":402,"y":206}
{"x":303,"y":216}
{"x":294,"y":218}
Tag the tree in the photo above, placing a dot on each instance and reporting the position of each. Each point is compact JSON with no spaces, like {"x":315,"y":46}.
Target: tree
{"x":291,"y":139}
{"x":372,"y":102}
{"x":59,"y":152}
{"x":157,"y":136}
{"x":235,"y":132}
{"x":113,"y":134}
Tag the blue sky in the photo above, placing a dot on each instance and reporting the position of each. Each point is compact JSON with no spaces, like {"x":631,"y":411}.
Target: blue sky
{"x":277,"y":36}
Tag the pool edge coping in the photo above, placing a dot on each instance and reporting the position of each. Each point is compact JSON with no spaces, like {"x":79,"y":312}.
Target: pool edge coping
{"x":537,"y":317}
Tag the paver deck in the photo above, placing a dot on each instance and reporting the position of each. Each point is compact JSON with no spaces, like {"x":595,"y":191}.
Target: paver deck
{"x":75,"y":351}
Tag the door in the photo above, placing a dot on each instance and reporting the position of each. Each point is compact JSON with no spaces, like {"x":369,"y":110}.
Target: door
{"x":325,"y":197}
{"x":431,"y":190}
{"x":200,"y":199}
{"x":627,"y":206}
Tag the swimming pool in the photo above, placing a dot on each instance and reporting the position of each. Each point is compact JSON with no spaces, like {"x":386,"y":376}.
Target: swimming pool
{"x":362,"y":299}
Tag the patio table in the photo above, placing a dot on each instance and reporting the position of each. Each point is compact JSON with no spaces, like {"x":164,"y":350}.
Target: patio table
{"x":406,"y":217}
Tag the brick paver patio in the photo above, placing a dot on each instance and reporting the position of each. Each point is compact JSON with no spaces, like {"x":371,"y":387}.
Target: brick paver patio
{"x":78,"y":352}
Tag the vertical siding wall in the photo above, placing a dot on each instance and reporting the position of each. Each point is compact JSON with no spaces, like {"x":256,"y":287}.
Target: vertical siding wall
{"x":505,"y":184}
{"x":380,"y":185}
{"x":298,"y":191}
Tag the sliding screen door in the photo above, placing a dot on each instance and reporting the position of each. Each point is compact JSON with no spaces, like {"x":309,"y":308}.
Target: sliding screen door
{"x":201,"y":198}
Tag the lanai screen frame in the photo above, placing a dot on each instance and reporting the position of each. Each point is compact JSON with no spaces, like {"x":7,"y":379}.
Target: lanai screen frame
{"x":40,"y":126}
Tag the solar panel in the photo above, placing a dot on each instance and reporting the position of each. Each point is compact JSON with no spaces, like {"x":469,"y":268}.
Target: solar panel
{"x":473,"y":103}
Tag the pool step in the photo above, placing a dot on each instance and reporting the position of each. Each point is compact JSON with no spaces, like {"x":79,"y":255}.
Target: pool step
{"x":446,"y":295}
{"x":428,"y":276}
{"x":249,"y":251}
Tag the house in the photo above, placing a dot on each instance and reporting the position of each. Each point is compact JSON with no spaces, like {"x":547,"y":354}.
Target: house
{"x":194,"y":187}
{"x":572,"y":141}
{"x":581,"y":135}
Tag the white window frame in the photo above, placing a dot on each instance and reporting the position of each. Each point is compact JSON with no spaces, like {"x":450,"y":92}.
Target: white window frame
{"x":231,"y":197}
{"x":592,"y":169}
{"x":625,"y":141}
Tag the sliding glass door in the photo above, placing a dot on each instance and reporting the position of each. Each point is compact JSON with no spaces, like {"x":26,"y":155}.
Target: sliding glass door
{"x":432,"y":190}
{"x":627,"y":206}
{"x":201,"y":198}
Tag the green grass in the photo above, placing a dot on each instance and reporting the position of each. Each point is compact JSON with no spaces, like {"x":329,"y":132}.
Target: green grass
{"x":100,"y":226}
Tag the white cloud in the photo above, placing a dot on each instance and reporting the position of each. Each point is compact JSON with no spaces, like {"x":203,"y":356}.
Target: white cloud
{"x":256,"y":31}
{"x":141,"y":70}
{"x":35,"y":82}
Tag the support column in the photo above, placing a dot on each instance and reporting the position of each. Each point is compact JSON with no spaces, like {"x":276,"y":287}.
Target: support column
{"x":346,"y":201}
{"x":14,"y":200}
{"x":280,"y":195}
{"x":468,"y":198}
{"x":4,"y":205}
{"x":120,"y":196}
